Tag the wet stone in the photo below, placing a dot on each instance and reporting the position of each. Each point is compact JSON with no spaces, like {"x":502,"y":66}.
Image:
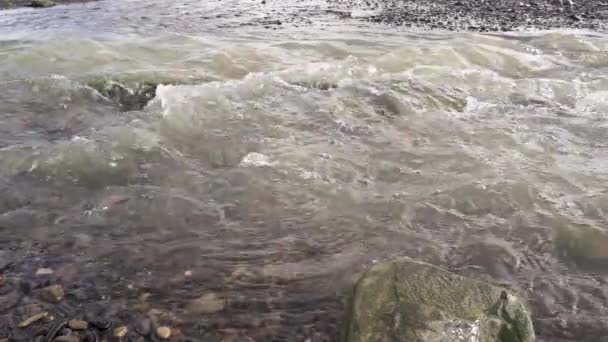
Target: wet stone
{"x":208,"y":303}
{"x":102,"y":324}
{"x":44,"y":271}
{"x":422,"y":302}
{"x":120,"y":331}
{"x":53,"y":293}
{"x":144,"y":327}
{"x":42,"y":3}
{"x":77,"y":324}
{"x":67,"y":338}
{"x":163,"y":333}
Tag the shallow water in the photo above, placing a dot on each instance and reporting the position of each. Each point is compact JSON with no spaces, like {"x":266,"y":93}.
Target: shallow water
{"x":275,"y":164}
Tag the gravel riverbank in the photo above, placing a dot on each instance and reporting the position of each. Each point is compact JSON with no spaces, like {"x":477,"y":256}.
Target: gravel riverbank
{"x":452,"y":15}
{"x":7,"y":4}
{"x":494,"y":15}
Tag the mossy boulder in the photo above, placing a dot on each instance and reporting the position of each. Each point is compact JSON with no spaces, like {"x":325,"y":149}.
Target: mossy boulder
{"x":132,"y":91}
{"x":410,"y":301}
{"x":42,"y":3}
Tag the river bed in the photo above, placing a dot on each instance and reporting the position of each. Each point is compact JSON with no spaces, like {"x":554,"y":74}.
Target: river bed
{"x":229,"y":174}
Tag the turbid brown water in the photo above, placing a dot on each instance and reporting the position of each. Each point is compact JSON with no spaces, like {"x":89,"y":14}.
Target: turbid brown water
{"x":275,"y":160}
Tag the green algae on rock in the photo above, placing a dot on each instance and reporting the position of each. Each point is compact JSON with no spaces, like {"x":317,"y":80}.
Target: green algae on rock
{"x":407,"y":300}
{"x":42,"y":3}
{"x":133,"y":91}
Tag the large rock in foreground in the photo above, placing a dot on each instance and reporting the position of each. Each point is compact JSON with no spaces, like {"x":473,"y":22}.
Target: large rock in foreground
{"x":409,"y":301}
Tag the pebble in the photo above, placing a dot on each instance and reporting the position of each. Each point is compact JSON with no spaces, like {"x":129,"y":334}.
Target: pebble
{"x":101,"y":324}
{"x":67,"y":338}
{"x":77,"y":324}
{"x":208,"y":303}
{"x":53,"y":293}
{"x":120,"y":331}
{"x":33,"y":319}
{"x":44,"y":271}
{"x":144,"y":327}
{"x":163,"y":332}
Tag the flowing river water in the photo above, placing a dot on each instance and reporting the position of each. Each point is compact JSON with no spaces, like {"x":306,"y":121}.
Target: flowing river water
{"x":152,"y":153}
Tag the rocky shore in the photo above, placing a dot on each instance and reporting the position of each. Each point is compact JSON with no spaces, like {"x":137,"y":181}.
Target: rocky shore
{"x":451,"y":15}
{"x":493,"y":15}
{"x":6,"y":4}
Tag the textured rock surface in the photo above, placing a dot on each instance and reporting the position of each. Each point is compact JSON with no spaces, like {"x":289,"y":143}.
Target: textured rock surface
{"x":406,"y":300}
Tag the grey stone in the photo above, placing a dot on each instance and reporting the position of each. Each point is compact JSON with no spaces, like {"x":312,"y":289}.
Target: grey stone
{"x":144,"y":327}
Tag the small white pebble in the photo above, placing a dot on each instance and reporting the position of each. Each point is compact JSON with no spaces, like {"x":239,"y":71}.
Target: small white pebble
{"x":44,"y":271}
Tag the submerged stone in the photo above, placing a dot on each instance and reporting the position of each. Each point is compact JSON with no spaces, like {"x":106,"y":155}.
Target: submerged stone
{"x":163,"y":333}
{"x":407,"y":300}
{"x":42,"y":3}
{"x":52,"y":293}
{"x":77,"y":324}
{"x":134,"y":91}
{"x":583,"y":244}
{"x":207,"y":304}
{"x":120,"y":331}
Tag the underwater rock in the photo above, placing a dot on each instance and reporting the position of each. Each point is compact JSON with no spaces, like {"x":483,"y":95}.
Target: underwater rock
{"x":407,"y":300}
